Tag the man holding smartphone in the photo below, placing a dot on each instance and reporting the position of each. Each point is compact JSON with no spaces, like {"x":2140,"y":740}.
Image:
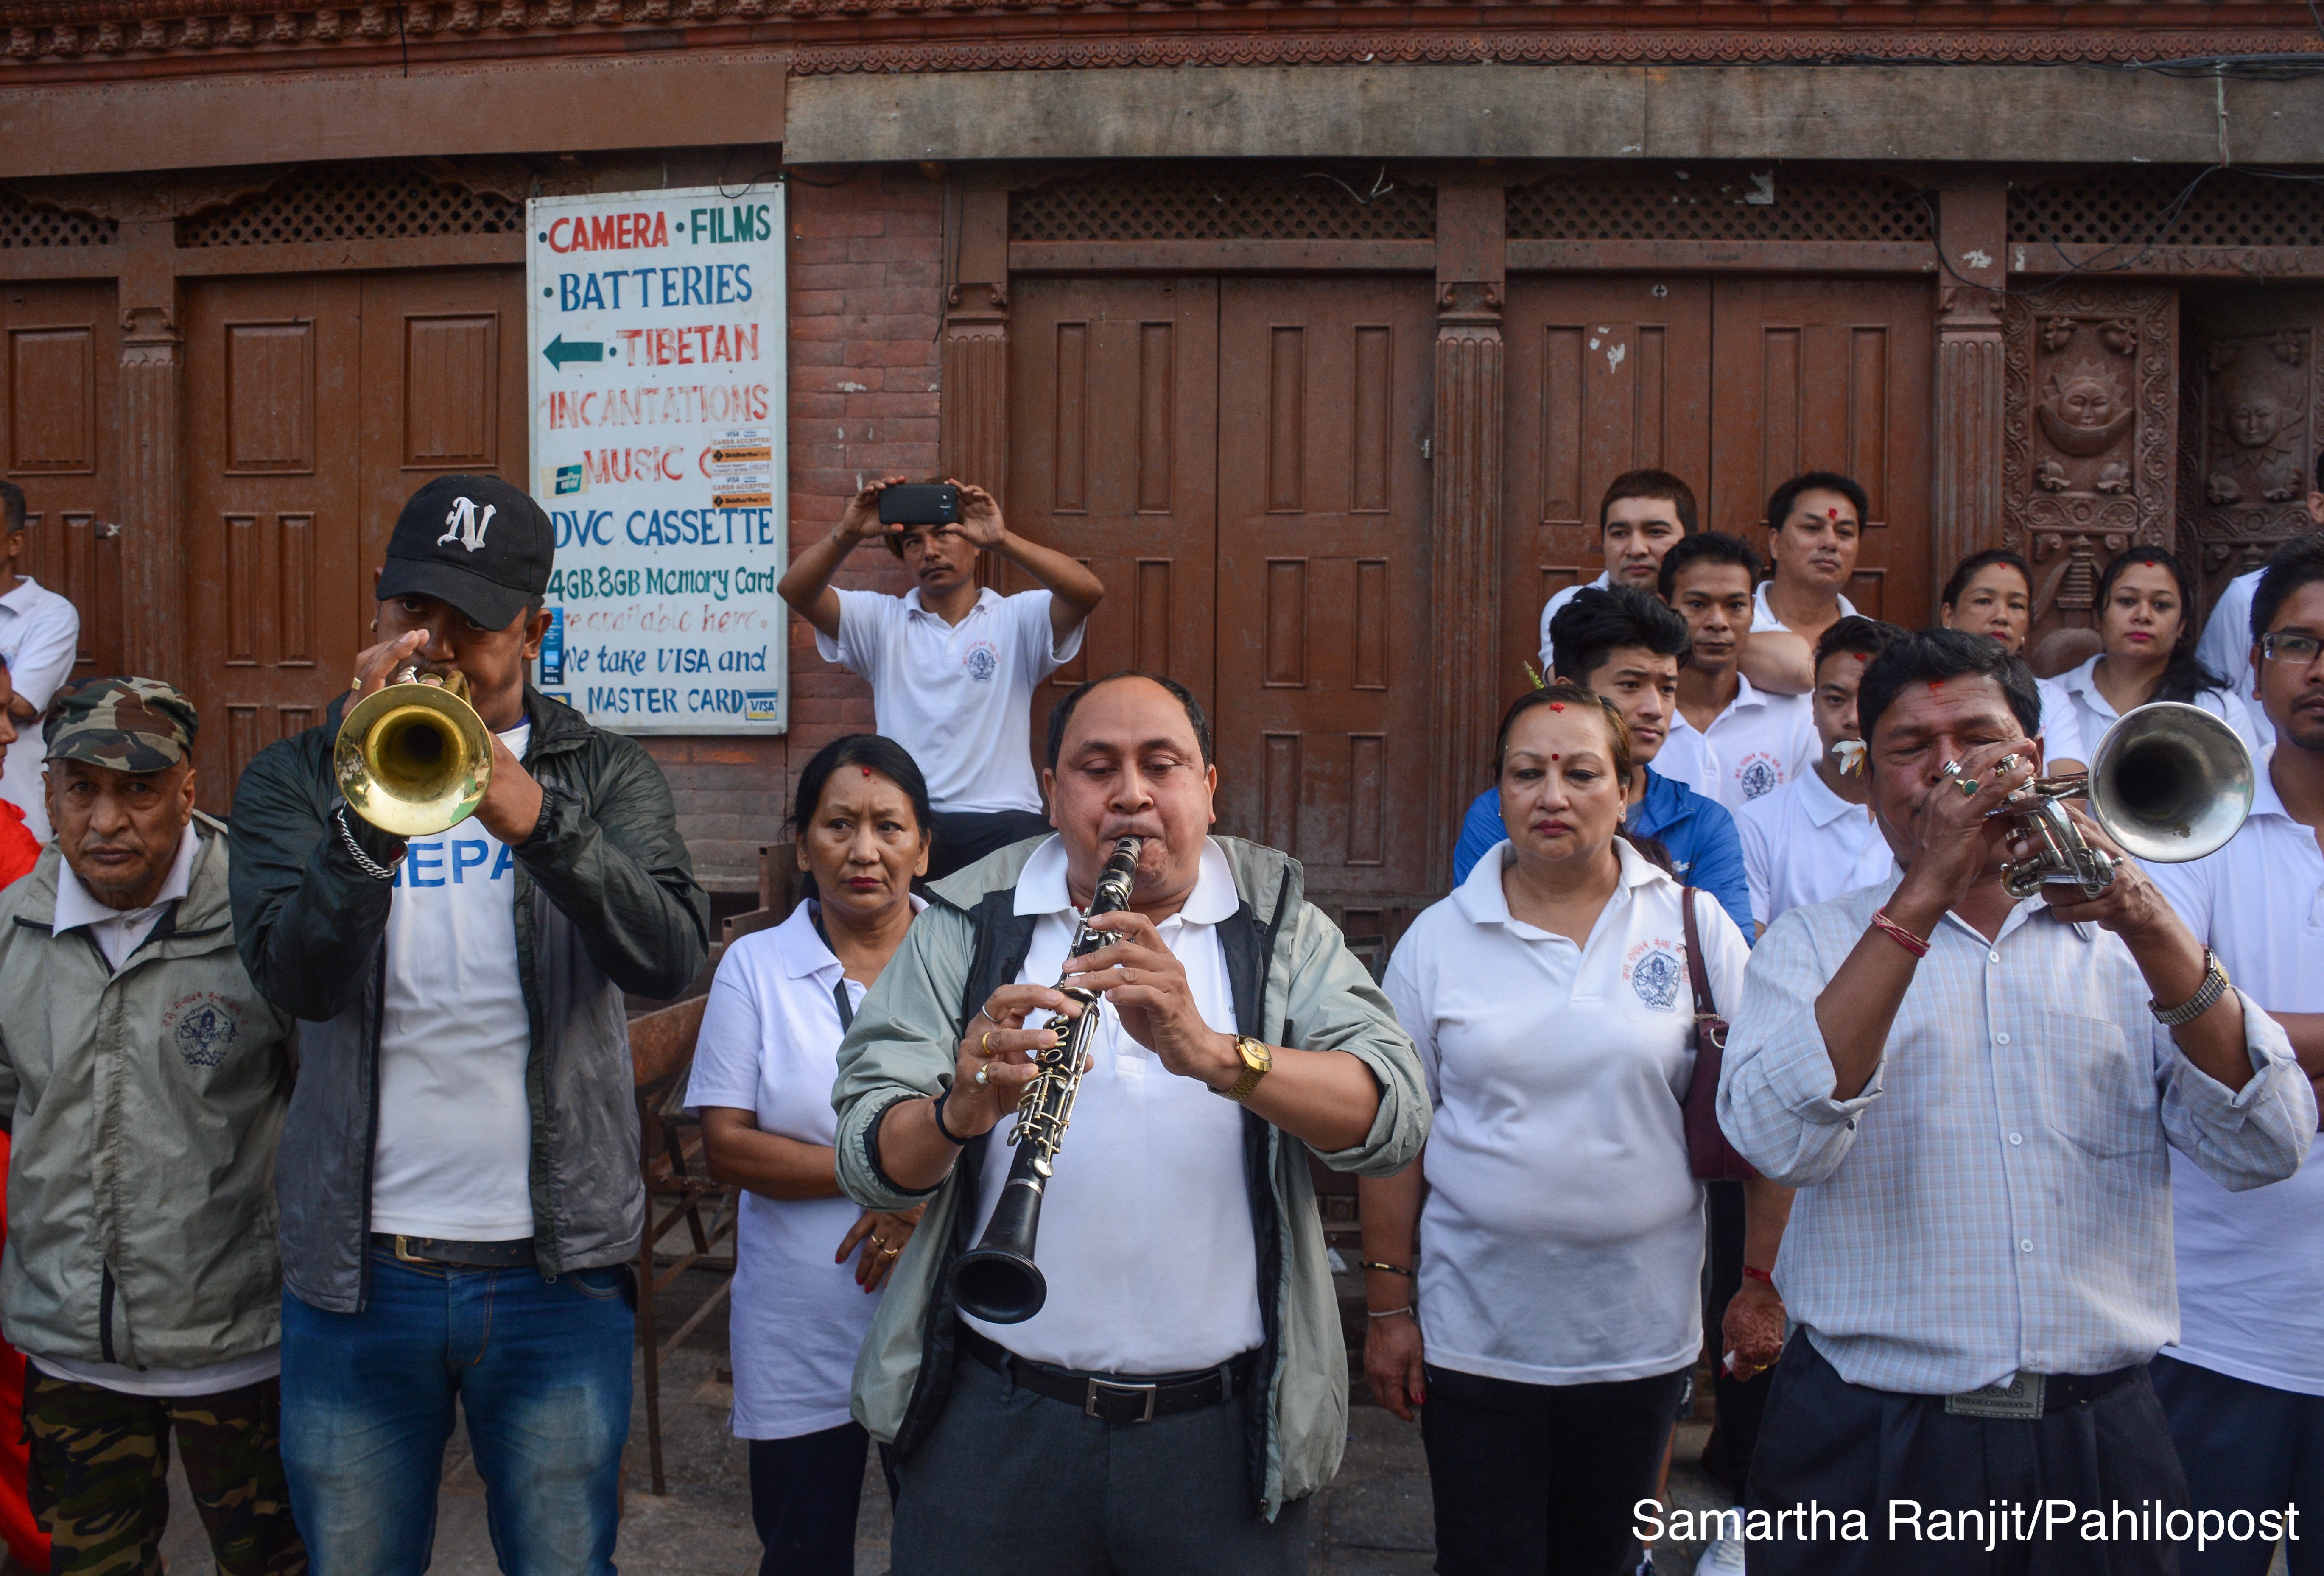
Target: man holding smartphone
{"x":952,"y":664}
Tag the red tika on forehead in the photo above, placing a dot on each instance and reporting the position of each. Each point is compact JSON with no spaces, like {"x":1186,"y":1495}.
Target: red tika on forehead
{"x":1935,"y":685}
{"x":1832,"y":514}
{"x":1863,"y":656}
{"x":1557,"y":705}
{"x":867,"y":771}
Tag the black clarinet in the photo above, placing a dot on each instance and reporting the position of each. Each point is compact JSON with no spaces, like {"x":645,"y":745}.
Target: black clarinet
{"x":996,"y":1280}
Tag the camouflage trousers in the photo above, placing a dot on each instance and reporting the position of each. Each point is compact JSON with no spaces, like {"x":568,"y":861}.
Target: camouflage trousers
{"x":99,"y":1477}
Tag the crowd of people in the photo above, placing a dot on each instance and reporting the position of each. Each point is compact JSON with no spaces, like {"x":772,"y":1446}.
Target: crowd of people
{"x":1728,"y":1038}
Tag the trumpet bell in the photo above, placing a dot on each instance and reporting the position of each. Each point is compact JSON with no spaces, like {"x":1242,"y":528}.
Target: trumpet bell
{"x":2171,"y":782}
{"x":414,"y":758}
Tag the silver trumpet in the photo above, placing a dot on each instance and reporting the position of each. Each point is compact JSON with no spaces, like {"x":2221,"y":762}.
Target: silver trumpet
{"x":2169,"y":782}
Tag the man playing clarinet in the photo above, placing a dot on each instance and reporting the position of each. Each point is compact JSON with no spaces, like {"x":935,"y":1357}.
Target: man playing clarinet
{"x":1183,"y":1389}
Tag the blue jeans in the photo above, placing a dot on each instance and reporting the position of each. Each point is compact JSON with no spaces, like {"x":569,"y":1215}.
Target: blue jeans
{"x":541,"y":1368}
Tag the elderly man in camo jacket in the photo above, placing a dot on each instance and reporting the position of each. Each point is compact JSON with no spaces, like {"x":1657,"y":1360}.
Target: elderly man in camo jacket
{"x":145,"y":1079}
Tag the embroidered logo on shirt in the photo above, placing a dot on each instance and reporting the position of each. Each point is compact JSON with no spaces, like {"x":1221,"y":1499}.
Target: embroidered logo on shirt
{"x":1654,"y":969}
{"x":1759,"y":776}
{"x":202,"y":1027}
{"x":982,"y":660}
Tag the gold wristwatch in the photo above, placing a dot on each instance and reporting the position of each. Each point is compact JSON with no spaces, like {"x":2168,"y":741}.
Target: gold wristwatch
{"x":1257,"y":1062}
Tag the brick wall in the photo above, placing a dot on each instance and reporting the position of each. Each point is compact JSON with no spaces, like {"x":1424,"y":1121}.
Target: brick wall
{"x":866,"y":274}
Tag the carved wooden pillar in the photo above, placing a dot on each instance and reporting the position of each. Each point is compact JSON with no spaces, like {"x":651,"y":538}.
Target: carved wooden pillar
{"x":1972,"y":236}
{"x":972,"y":422}
{"x":151,"y":499}
{"x":1472,"y":280}
{"x":2089,"y":421}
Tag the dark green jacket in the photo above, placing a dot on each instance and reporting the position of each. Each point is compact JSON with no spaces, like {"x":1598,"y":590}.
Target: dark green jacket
{"x":606,"y":902}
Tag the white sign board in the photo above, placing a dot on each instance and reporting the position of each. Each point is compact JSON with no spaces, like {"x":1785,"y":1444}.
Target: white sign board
{"x":656,"y":355}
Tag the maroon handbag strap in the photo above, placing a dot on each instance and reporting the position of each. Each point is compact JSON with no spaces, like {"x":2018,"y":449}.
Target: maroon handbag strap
{"x":1704,"y":1007}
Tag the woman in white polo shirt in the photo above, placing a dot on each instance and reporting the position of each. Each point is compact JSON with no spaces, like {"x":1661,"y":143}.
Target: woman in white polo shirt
{"x":763,"y":1069}
{"x":1557,"y":1308}
{"x":2147,"y":617}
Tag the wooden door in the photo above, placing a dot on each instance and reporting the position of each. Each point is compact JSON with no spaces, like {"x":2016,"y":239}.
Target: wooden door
{"x":315,"y":406}
{"x":59,"y":442}
{"x":1828,"y":375}
{"x":1113,"y":423}
{"x":1605,"y":375}
{"x":1324,"y":398}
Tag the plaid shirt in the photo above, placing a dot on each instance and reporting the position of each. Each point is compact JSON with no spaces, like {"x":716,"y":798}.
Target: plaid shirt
{"x":1998,"y":1197}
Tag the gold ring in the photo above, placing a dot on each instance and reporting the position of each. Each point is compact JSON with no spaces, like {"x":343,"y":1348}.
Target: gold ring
{"x":984,"y":1046}
{"x":1967,"y":786}
{"x":355,"y":683}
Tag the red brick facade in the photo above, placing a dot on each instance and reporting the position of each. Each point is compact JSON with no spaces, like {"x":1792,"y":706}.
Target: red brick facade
{"x":866,"y":289}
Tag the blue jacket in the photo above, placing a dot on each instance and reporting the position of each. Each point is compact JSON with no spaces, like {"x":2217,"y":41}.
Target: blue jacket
{"x":1696,"y":828}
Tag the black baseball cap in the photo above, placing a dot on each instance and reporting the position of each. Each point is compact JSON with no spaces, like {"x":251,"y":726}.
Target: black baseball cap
{"x":474,"y":541}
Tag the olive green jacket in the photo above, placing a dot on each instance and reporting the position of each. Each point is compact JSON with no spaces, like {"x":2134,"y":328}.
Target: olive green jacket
{"x":1291,"y":975}
{"x":144,"y":1107}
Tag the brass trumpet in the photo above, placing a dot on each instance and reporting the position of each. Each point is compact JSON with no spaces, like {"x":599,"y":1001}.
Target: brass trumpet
{"x":2170,"y":782}
{"x":413,"y":758}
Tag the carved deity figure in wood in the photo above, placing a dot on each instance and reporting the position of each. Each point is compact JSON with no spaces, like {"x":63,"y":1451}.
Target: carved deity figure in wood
{"x":2258,"y":419}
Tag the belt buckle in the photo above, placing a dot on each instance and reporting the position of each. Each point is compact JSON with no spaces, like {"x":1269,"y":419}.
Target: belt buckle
{"x":404,"y":1255}
{"x":1098,"y":1386}
{"x":2018,"y":1399}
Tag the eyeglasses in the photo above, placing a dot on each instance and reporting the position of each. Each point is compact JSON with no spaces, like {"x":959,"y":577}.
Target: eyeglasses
{"x":2300,"y":650}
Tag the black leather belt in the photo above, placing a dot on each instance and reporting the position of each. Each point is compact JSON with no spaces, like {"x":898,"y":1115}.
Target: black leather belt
{"x":1116,"y":1398}
{"x":512,"y":1254}
{"x":2031,"y":1394}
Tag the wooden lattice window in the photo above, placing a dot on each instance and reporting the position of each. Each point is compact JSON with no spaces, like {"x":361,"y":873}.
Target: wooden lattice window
{"x":1202,"y":203}
{"x":360,"y":203}
{"x":22,"y":223}
{"x":2134,"y":208}
{"x":1718,"y":202}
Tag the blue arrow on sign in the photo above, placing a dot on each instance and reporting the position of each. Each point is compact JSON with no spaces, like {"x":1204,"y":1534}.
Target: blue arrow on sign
{"x":558,"y":351}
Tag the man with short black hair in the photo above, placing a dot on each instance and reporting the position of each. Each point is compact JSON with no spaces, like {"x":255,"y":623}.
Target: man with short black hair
{"x":1729,"y":738}
{"x":1815,"y":523}
{"x":143,"y":1080}
{"x":1182,"y":1392}
{"x":1626,"y":646}
{"x":2244,"y":1384}
{"x":951,"y":664}
{"x":2226,"y":646}
{"x":1976,"y":1097}
{"x":1643,"y":515}
{"x":458,"y":1183}
{"x":40,"y":640}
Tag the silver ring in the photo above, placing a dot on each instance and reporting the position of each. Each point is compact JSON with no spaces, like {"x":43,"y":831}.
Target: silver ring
{"x":1950,"y":768}
{"x":2005,"y":766}
{"x":982,"y":1081}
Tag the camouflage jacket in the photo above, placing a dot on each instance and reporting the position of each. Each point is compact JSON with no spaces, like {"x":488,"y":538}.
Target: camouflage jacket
{"x":145,"y":1108}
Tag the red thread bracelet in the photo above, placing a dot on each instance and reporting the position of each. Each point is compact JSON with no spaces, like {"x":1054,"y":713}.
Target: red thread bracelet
{"x":1752,"y":1273}
{"x":1898,"y":934}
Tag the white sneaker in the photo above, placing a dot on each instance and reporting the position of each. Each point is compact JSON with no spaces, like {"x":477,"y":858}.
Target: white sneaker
{"x":1724,"y":1557}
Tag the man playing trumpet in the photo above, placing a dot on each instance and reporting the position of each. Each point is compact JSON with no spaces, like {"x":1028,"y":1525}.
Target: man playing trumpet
{"x":459,"y":1175}
{"x":1184,"y":1387}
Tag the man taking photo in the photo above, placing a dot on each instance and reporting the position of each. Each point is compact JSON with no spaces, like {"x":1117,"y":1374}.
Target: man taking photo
{"x":143,"y":1079}
{"x":459,"y":1180}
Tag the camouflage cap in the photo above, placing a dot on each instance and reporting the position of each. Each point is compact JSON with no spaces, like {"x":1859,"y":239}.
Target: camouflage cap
{"x":130,"y":725}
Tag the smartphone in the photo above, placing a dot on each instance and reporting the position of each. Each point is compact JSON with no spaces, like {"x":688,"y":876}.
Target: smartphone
{"x":920,"y":503}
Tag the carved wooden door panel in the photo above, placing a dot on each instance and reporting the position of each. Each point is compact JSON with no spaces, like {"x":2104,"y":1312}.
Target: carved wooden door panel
{"x":1605,"y":375}
{"x":59,"y":442}
{"x":315,"y":406}
{"x":1828,"y":375}
{"x":2251,"y":424}
{"x":1113,"y":424}
{"x":1324,"y":398}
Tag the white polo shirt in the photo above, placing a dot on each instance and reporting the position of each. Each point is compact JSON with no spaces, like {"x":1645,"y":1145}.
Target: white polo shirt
{"x":2251,"y":1265}
{"x":769,"y":1045}
{"x":1763,"y":617}
{"x":1803,"y":843}
{"x":40,"y":639}
{"x":959,"y":698}
{"x":1146,"y":1236}
{"x":1549,"y":652}
{"x":1758,"y":744}
{"x":1562,"y":1239}
{"x":2075,"y":716}
{"x":2226,"y":648}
